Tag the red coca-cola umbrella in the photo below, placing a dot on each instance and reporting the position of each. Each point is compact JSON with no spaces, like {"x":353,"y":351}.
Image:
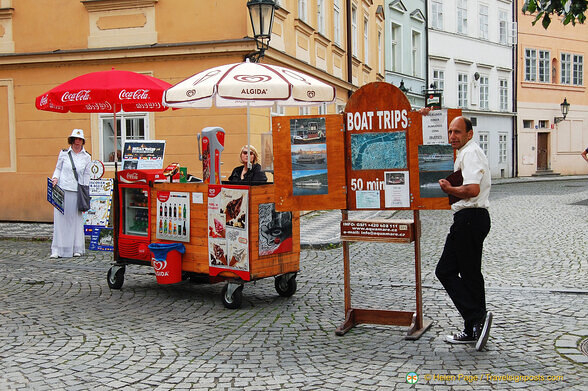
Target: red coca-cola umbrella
{"x":106,"y":92}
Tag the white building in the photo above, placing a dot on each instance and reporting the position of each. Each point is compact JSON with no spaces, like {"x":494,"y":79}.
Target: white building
{"x":406,"y":49}
{"x":471,"y":59}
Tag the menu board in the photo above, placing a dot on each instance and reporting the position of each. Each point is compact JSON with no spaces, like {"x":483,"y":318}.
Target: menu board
{"x":228,"y":229}
{"x":173,"y":216}
{"x":99,"y":213}
{"x":143,"y":155}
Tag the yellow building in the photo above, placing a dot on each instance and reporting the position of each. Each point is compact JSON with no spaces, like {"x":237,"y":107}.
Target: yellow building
{"x":551,"y":68}
{"x":43,"y":44}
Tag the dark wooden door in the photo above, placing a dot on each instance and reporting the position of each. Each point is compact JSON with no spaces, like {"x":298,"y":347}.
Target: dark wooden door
{"x":542,"y":156}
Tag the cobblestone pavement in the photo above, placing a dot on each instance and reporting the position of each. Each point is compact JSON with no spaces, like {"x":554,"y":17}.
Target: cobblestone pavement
{"x":64,"y":329}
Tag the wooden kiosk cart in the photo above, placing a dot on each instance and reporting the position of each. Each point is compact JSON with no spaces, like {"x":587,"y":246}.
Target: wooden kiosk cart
{"x":230,"y":233}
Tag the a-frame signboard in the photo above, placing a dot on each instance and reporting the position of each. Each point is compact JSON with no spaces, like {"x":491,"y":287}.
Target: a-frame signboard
{"x":378,"y":154}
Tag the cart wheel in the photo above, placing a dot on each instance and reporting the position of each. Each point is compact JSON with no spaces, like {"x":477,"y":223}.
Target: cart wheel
{"x":232,"y":300}
{"x":115,"y":277}
{"x":285,"y":286}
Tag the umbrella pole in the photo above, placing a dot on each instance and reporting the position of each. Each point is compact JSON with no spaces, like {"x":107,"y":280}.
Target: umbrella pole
{"x":248,"y":139}
{"x":115,"y":135}
{"x":116,"y":215}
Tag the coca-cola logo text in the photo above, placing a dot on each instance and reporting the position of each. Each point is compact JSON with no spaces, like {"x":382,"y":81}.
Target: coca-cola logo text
{"x":140,"y":94}
{"x":133,"y":176}
{"x":75,"y":96}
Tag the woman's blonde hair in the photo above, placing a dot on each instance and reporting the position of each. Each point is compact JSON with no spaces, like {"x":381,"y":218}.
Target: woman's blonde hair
{"x":251,"y":149}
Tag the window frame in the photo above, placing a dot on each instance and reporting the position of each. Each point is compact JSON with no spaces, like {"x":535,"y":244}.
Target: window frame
{"x":530,"y":64}
{"x":354,"y":32}
{"x":503,"y":94}
{"x":462,"y":16}
{"x":302,"y":10}
{"x":483,"y":21}
{"x":320,"y":17}
{"x":440,"y":76}
{"x":484,"y":92}
{"x":543,"y":66}
{"x":503,"y":27}
{"x":380,"y":57}
{"x":483,"y":141}
{"x":462,"y":90}
{"x":502,"y":147}
{"x":565,"y":74}
{"x":121,"y":119}
{"x":366,"y":39}
{"x":577,"y":69}
{"x":416,"y":48}
{"x":437,"y":14}
{"x":396,"y":42}
{"x":337,"y":22}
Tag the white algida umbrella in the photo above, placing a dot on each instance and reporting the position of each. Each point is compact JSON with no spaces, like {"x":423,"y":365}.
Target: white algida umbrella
{"x":248,"y":85}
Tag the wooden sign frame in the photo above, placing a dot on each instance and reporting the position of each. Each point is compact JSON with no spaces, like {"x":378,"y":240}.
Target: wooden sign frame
{"x":382,"y":140}
{"x":285,"y":149}
{"x":377,"y":116}
{"x":380,"y":112}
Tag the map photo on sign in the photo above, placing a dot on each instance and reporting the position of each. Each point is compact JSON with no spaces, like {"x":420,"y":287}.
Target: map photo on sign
{"x":378,"y":151}
{"x":435,"y":162}
{"x":308,"y":131}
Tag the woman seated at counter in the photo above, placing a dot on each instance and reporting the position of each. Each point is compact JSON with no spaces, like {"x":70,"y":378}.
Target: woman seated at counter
{"x":244,"y":175}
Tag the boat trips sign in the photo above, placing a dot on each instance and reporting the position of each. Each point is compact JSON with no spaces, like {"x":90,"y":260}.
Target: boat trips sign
{"x":394,"y":156}
{"x":378,"y":154}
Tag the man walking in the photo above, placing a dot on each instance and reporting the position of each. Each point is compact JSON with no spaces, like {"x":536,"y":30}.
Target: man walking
{"x":460,"y":266}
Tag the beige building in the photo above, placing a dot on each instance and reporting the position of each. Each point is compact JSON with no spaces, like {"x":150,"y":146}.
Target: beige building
{"x":43,"y":44}
{"x":551,"y":68}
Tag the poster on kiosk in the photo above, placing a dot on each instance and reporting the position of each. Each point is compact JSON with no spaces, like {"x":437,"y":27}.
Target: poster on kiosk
{"x":228,"y":233}
{"x":173,"y":216}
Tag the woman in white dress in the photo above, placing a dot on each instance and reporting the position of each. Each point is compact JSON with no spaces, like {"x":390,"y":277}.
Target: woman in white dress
{"x":68,"y":228}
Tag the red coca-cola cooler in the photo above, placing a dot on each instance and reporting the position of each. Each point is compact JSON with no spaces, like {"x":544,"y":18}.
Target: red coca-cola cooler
{"x":134,"y":235}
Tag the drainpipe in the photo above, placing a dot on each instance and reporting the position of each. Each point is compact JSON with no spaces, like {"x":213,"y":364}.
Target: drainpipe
{"x":426,"y":52}
{"x":349,"y":47}
{"x":515,"y":61}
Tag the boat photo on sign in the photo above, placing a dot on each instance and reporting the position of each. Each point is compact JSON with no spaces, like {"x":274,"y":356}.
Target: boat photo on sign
{"x":309,"y":156}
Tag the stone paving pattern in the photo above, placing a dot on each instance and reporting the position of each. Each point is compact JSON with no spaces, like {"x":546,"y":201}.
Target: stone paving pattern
{"x":64,"y":329}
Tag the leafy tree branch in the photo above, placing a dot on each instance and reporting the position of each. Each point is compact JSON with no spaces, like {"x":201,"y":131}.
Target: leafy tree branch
{"x":570,"y":10}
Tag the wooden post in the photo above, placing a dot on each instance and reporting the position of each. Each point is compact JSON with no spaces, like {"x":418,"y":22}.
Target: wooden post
{"x":419,"y":325}
{"x":399,"y":231}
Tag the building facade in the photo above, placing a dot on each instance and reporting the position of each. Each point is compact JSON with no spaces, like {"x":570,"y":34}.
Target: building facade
{"x":551,"y":68}
{"x":406,"y":48}
{"x":471,"y":52}
{"x":42,"y":46}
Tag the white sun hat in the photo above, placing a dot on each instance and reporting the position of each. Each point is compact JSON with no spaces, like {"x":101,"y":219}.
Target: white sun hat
{"x":78,"y":133}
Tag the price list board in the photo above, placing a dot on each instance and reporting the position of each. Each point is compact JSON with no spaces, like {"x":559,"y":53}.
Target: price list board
{"x":173,"y":216}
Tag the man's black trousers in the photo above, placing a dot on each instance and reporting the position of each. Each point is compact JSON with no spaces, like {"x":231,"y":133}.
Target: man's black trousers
{"x":460,"y":266}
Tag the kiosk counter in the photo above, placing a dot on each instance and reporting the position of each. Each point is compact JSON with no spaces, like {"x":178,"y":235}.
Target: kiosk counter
{"x":228,"y":233}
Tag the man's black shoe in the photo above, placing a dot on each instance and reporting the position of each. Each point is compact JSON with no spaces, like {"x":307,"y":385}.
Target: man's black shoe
{"x":462,"y":338}
{"x":482,"y":331}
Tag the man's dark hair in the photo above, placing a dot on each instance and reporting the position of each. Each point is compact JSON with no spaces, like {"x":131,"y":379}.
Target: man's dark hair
{"x":468,"y":124}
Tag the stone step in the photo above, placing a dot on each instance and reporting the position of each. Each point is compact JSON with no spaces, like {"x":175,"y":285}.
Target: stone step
{"x":545,"y":173}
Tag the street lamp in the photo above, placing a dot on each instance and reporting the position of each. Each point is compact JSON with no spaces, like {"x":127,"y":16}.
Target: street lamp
{"x":565,"y":108}
{"x":261,"y":13}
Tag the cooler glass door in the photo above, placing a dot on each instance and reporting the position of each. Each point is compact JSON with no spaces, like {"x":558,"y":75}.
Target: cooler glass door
{"x":135,"y":211}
